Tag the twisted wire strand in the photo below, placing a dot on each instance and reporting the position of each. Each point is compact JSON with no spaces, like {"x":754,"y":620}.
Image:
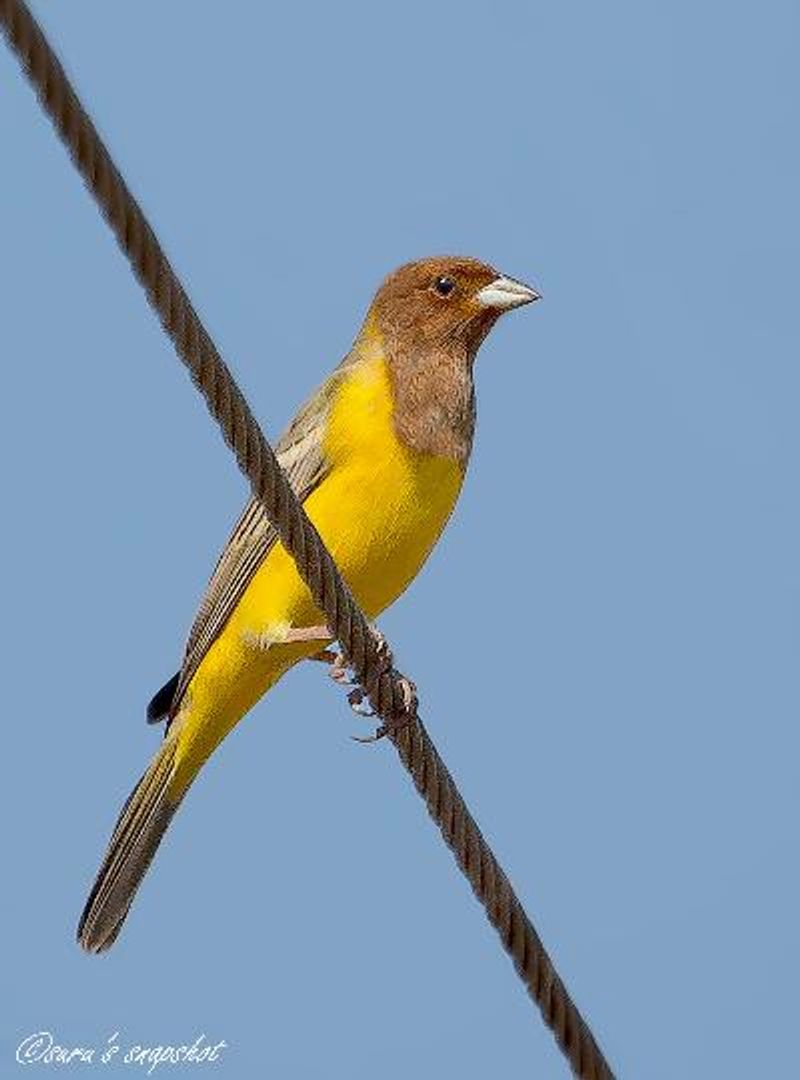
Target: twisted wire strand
{"x":390,"y":693}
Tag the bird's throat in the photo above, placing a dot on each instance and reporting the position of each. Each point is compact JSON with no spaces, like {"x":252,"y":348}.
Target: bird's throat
{"x":432,"y":390}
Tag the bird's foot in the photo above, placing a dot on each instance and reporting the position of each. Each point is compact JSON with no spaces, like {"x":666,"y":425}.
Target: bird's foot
{"x":358,"y":696}
{"x":408,"y":691}
{"x":339,"y":671}
{"x":397,"y":723}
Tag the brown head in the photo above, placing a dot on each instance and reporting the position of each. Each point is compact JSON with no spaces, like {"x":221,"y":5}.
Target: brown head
{"x":429,"y":318}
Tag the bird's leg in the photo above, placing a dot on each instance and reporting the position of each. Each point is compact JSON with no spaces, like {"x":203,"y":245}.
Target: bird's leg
{"x":338,"y":666}
{"x":308,"y":633}
{"x":340,"y":673}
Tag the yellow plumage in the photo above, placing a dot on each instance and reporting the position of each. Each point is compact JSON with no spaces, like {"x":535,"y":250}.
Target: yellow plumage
{"x":380,"y":510}
{"x":378,"y":457}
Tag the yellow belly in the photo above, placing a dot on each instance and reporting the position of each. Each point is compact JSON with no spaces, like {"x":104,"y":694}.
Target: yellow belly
{"x":380,"y":511}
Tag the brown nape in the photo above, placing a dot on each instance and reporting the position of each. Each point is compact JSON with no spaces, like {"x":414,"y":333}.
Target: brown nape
{"x":431,"y":336}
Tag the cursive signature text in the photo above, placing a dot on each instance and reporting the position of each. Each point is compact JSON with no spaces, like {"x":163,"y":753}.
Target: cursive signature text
{"x":42,"y":1048}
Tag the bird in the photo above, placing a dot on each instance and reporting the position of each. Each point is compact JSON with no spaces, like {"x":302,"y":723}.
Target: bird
{"x":377,"y":456}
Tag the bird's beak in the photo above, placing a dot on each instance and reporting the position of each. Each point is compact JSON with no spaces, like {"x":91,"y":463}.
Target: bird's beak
{"x":505,"y":293}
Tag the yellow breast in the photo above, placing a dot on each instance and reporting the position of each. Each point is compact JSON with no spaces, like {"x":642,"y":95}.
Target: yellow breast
{"x":383,"y":506}
{"x":380,"y":510}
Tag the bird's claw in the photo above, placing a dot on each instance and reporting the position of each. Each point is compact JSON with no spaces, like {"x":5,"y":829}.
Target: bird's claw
{"x":382,"y":648}
{"x":339,"y":672}
{"x":397,"y":723}
{"x":358,"y":696}
{"x":392,"y":728}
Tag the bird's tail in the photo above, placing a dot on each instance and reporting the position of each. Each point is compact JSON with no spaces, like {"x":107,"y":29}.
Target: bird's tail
{"x":141,"y":825}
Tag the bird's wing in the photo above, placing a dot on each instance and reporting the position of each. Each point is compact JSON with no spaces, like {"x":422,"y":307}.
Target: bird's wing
{"x":301,"y":455}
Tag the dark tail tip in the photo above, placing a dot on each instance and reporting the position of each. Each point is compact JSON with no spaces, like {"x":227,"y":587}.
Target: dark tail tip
{"x":161,"y":702}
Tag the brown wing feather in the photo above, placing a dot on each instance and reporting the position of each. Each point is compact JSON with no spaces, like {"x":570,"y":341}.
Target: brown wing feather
{"x":300,"y":452}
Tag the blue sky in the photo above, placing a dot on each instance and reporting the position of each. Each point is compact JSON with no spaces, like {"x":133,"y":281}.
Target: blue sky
{"x":606,"y":642}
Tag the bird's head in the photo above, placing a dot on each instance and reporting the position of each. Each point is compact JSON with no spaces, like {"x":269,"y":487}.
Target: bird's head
{"x":445,"y":302}
{"x":427,"y":321}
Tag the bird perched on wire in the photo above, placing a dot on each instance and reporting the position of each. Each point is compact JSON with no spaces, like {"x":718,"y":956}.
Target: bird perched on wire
{"x":377,"y":456}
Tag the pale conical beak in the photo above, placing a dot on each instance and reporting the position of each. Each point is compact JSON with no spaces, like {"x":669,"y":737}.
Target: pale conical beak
{"x":505,"y":293}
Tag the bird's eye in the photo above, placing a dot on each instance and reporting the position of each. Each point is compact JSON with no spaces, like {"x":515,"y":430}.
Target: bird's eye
{"x":443,"y":286}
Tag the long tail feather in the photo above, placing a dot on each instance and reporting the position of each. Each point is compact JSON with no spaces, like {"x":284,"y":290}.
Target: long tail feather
{"x":141,"y":825}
